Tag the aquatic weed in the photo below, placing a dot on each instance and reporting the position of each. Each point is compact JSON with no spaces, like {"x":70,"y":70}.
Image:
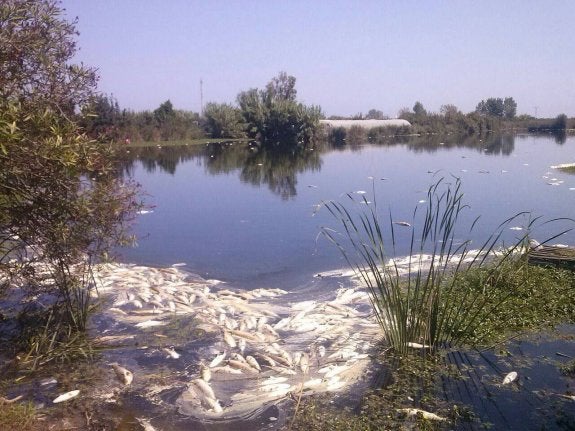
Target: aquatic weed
{"x":431,"y":303}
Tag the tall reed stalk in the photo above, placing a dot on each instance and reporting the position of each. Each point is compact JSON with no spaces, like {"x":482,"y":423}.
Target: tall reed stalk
{"x":421,"y":307}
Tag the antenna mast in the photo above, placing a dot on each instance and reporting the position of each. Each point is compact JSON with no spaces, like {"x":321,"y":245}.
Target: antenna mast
{"x":201,"y":97}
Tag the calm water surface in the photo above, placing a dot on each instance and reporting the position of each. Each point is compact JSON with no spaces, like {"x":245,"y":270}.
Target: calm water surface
{"x":249,"y":216}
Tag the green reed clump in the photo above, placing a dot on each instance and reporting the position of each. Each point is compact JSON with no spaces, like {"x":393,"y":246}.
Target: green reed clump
{"x":427,"y":304}
{"x":17,"y":417}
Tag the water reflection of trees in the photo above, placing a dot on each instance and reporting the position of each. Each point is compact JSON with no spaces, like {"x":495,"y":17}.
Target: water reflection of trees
{"x":355,"y":139}
{"x":276,"y":167}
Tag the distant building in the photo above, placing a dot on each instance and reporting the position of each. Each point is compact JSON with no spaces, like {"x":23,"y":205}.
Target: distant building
{"x":365,"y":124}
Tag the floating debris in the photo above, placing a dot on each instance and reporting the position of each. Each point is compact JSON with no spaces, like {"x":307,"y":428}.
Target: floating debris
{"x":142,"y":212}
{"x":253,"y":338}
{"x":11,"y":400}
{"x":66,"y":396}
{"x":402,"y":223}
{"x":171,"y":352}
{"x":516,"y":228}
{"x":124,"y":375}
{"x":424,"y":414}
{"x":509,"y":378}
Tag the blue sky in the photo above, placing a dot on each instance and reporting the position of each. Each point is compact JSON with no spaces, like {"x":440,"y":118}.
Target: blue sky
{"x":347,"y":56}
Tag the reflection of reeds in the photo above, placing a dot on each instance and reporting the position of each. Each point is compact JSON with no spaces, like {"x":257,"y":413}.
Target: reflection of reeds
{"x":425,"y":308}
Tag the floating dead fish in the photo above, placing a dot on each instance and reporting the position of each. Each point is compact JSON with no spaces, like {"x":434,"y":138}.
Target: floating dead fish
{"x":229,"y":339}
{"x":304,"y":363}
{"x":145,"y":424}
{"x":204,"y":388}
{"x":205,"y":373}
{"x":66,"y":396}
{"x":150,"y":323}
{"x":239,"y":365}
{"x":511,"y":377}
{"x":418,"y":345}
{"x":48,"y":381}
{"x":242,"y":345}
{"x":171,"y":352}
{"x":217,"y":360}
{"x":516,"y":228}
{"x":402,"y":223}
{"x":214,"y":405}
{"x":124,"y":375}
{"x":227,"y":370}
{"x":426,"y":415}
{"x":253,"y":362}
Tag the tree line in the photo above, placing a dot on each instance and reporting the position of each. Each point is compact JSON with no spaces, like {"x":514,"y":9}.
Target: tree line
{"x":271,"y":115}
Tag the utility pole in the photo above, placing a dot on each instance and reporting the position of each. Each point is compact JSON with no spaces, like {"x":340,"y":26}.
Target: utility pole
{"x":535,"y":107}
{"x":201,"y":97}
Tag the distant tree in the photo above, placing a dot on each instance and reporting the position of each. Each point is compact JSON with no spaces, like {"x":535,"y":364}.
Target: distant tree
{"x":419,"y":110}
{"x":224,"y":121}
{"x":281,"y":87}
{"x":404,"y":113}
{"x":274,"y":116}
{"x":509,"y":108}
{"x":449,"y":111}
{"x":374,"y":114}
{"x":498,"y":107}
{"x":101,"y":117}
{"x":560,"y":122}
{"x":164,"y":113}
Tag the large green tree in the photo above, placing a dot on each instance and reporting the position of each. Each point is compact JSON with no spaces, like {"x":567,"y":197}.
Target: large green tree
{"x":62,"y":205}
{"x":498,"y":107}
{"x":224,"y":121}
{"x":274,"y":116}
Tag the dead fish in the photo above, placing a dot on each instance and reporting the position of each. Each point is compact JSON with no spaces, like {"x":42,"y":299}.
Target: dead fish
{"x":125,"y":376}
{"x":417,"y":345}
{"x":242,"y":345}
{"x":145,"y":424}
{"x":253,"y":362}
{"x":214,"y":405}
{"x":204,"y":388}
{"x":226,"y":369}
{"x":511,"y":377}
{"x":149,"y":323}
{"x":270,"y":361}
{"x":217,"y":360}
{"x":205,"y":373}
{"x":296,"y":358}
{"x":229,"y":339}
{"x":117,"y":310}
{"x":244,"y":366}
{"x":304,"y":363}
{"x":65,"y":397}
{"x":402,"y":223}
{"x":426,"y":415}
{"x":171,"y":352}
{"x":238,"y":357}
{"x":245,"y":335}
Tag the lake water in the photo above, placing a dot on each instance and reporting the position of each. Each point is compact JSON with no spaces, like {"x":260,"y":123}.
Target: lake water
{"x":250,"y":216}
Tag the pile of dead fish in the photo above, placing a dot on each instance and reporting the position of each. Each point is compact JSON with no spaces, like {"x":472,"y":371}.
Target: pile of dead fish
{"x":265,"y":348}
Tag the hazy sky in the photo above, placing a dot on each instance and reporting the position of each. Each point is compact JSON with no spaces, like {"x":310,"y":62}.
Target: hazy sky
{"x":347,"y":56}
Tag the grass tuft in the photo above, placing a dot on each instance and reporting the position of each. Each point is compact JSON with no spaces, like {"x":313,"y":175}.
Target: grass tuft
{"x":448,"y":291}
